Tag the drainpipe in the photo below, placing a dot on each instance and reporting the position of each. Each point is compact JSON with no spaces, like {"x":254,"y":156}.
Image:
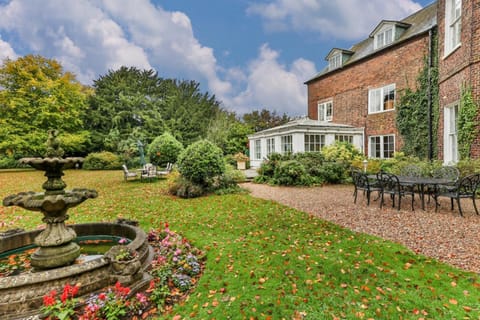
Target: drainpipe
{"x":429,"y":94}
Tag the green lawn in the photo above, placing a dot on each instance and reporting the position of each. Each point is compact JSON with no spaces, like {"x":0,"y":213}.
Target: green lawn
{"x":267,"y":261}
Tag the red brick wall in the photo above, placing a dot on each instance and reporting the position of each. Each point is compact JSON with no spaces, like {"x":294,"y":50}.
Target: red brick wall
{"x":348,"y":87}
{"x":461,"y":66}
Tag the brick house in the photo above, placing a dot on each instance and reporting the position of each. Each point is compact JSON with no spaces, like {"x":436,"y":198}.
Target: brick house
{"x":459,"y":64}
{"x":360,"y":86}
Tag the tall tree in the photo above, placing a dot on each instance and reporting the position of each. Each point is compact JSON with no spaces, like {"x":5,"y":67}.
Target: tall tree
{"x":131,"y":104}
{"x":125,"y":108}
{"x":264,"y":119}
{"x":187,"y":111}
{"x":228,"y":133}
{"x":37,"y":95}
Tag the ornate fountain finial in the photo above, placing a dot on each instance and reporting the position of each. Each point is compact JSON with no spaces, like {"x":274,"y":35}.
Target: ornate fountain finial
{"x":53,"y":145}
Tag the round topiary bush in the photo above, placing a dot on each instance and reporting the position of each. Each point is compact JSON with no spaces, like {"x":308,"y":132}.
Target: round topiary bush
{"x":102,"y":161}
{"x":201,"y":162}
{"x":164,"y":149}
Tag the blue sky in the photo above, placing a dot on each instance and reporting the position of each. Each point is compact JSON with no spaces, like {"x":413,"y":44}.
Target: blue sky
{"x":250,"y":54}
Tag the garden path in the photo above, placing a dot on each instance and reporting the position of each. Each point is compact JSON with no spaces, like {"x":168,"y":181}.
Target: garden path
{"x":443,"y":235}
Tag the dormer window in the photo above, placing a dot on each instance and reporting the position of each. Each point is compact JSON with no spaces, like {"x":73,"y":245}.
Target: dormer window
{"x":387,"y":32}
{"x":337,"y":58}
{"x":384,"y":38}
{"x":335,"y":61}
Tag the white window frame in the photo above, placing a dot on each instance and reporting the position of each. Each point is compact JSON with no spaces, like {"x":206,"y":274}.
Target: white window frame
{"x":382,"y":153}
{"x":325,"y":111}
{"x":379,"y":99}
{"x":384,"y":38}
{"x":314,"y":142}
{"x":286,"y":144}
{"x":257,"y":144}
{"x":450,"y":135}
{"x":335,"y":61}
{"x":453,"y":25}
{"x":344,"y":138}
{"x":270,"y":146}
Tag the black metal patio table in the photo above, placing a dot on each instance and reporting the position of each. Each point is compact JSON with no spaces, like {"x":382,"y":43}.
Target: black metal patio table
{"x":422,"y":182}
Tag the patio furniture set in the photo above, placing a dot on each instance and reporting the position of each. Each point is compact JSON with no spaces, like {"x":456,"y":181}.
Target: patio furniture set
{"x":148,"y":172}
{"x":444,"y":182}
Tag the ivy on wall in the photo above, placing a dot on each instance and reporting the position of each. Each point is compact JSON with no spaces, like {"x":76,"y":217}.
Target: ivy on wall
{"x":412,"y":112}
{"x":467,"y":124}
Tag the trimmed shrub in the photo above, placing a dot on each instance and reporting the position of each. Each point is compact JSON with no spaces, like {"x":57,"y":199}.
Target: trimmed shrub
{"x":312,"y":162}
{"x":292,"y":172}
{"x":341,"y":151}
{"x":102,"y":161}
{"x":9,"y":163}
{"x":333,"y":172}
{"x":201,"y":162}
{"x":185,"y":188}
{"x":164,"y":149}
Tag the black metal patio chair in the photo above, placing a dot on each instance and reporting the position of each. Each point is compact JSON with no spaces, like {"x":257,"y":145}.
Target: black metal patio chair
{"x":449,"y":173}
{"x":361,"y":182}
{"x":465,"y":188}
{"x":391,"y":186}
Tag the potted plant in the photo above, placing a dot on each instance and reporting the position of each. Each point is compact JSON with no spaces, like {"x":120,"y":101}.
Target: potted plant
{"x":124,"y":263}
{"x":241,"y":160}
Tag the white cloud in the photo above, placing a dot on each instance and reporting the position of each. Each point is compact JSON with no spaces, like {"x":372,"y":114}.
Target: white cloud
{"x":91,"y":37}
{"x":274,"y":86}
{"x":169,"y":39}
{"x":346,"y":19}
{"x":77,"y":33}
{"x":6,"y":51}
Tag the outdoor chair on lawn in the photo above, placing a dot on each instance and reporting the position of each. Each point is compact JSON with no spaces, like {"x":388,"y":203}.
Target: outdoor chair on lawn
{"x":363,"y":183}
{"x":168,"y":169}
{"x":464,"y":188}
{"x":390,"y":185}
{"x":149,"y":172}
{"x":128,"y":174}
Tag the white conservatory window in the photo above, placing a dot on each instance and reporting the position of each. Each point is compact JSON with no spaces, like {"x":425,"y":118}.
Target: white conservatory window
{"x":286,"y":143}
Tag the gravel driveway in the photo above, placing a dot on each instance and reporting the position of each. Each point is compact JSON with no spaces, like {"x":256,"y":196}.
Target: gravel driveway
{"x":444,"y":235}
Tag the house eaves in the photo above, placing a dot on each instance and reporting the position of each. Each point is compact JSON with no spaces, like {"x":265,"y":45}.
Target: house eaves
{"x":306,"y":125}
{"x":419,"y":23}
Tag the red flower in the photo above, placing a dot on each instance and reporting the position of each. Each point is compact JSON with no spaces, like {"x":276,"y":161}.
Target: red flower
{"x":48,"y":300}
{"x":102,"y":296}
{"x":75,"y":289}
{"x":64,"y":296}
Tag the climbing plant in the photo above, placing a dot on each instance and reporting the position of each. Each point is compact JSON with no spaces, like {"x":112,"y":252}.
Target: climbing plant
{"x":412,"y":113}
{"x":467,"y":123}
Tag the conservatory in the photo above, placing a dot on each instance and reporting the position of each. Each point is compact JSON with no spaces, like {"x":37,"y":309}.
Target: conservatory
{"x":301,"y":135}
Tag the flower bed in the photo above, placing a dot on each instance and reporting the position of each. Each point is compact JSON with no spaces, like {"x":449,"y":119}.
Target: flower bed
{"x":176,"y":267}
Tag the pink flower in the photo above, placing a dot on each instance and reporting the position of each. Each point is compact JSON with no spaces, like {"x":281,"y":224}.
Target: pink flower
{"x":141,"y":298}
{"x":122,"y":241}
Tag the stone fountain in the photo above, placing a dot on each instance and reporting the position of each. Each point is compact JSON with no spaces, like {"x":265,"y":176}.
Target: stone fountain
{"x":55,"y":244}
{"x":56,"y":260}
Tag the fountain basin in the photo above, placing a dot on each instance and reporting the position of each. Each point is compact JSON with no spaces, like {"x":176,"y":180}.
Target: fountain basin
{"x":22,"y":295}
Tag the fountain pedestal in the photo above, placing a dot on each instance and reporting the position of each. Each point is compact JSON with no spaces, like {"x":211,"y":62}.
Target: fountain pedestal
{"x":55,"y":244}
